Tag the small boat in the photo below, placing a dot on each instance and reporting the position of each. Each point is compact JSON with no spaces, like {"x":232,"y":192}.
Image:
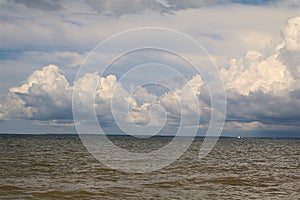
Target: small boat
{"x":238,"y":137}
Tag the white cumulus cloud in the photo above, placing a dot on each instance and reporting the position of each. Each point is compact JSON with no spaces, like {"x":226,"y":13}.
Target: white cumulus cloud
{"x":259,"y":71}
{"x":291,"y":34}
{"x":45,"y":94}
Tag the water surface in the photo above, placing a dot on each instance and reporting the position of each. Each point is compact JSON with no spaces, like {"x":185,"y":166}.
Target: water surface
{"x":53,"y":166}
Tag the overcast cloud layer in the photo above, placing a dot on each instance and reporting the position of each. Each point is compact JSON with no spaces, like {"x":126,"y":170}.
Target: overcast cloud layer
{"x":256,"y":45}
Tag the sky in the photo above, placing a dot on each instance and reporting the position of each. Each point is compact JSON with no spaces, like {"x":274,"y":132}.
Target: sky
{"x":254,"y":44}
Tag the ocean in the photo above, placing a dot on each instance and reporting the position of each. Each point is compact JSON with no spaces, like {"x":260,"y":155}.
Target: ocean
{"x":59,"y":167}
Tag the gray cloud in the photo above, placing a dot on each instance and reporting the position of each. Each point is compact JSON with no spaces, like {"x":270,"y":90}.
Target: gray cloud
{"x":266,"y":108}
{"x":194,"y":4}
{"x":118,"y":8}
{"x":46,"y":5}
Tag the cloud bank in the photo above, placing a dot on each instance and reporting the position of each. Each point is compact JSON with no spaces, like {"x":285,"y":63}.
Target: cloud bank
{"x":262,"y":86}
{"x":119,"y":8}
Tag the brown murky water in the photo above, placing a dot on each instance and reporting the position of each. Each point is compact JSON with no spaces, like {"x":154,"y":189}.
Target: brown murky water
{"x":59,"y":167}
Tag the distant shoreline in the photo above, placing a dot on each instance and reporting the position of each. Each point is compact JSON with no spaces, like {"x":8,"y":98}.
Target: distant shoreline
{"x":123,"y":135}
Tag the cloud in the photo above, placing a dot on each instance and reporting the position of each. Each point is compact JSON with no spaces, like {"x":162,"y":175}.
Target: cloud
{"x":255,"y":73}
{"x":291,"y":34}
{"x":65,"y":58}
{"x":118,"y":8}
{"x":264,"y":71}
{"x":266,"y":108}
{"x":263,"y":87}
{"x":194,"y":4}
{"x":261,"y":90}
{"x":45,"y":95}
{"x":47,"y":5}
{"x":171,"y":100}
{"x":260,"y":84}
{"x":79,"y":28}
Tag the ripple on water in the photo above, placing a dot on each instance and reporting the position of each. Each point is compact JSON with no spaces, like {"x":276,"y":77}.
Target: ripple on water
{"x":50,"y":167}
